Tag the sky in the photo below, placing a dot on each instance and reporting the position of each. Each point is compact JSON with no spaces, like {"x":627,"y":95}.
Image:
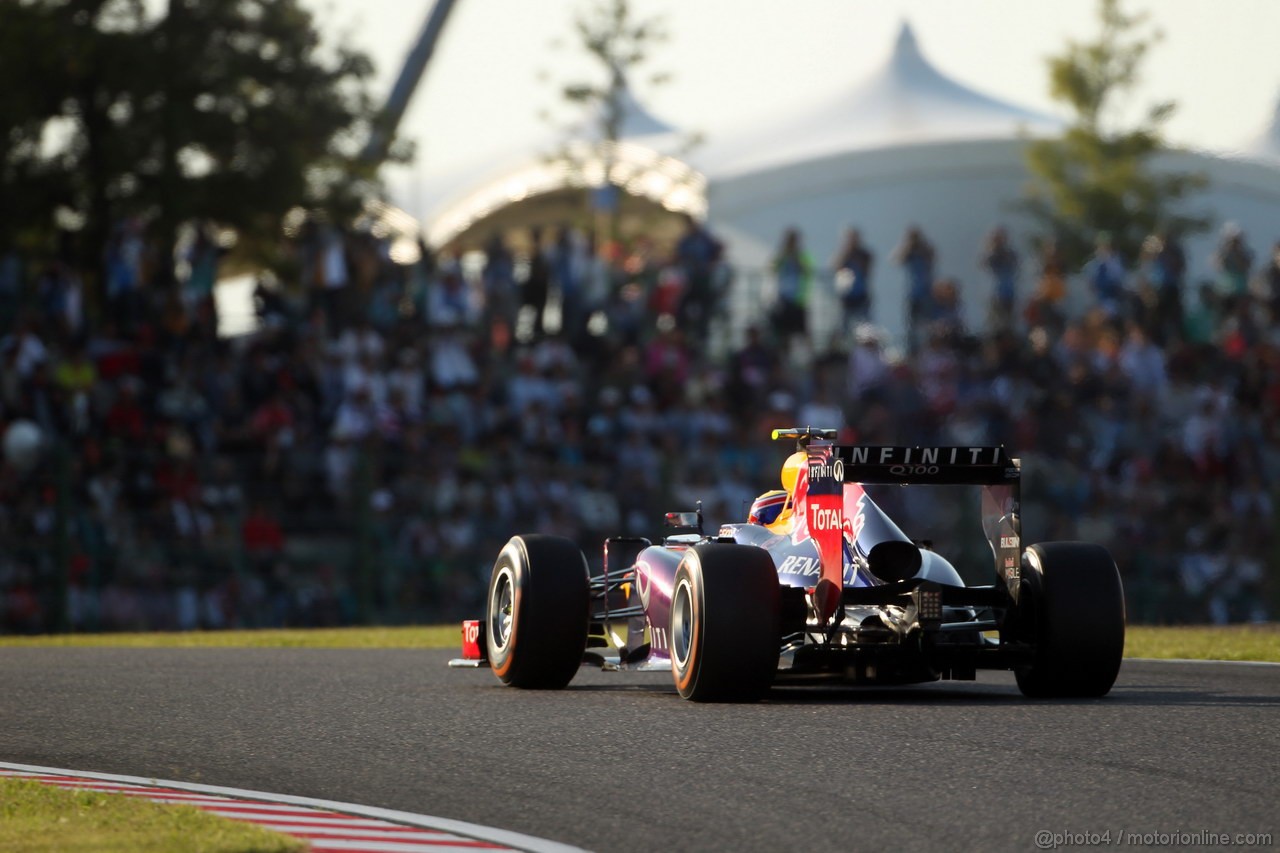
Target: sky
{"x":741,"y":63}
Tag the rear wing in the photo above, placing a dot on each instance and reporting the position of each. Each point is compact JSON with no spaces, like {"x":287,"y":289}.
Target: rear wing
{"x":978,"y":466}
{"x":829,"y":509}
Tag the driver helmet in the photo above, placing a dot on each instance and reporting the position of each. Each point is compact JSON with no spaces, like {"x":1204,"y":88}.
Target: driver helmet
{"x":766,"y":508}
{"x":791,"y":469}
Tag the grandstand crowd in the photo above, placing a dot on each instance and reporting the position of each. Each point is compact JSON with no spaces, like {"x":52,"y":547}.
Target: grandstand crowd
{"x":366,"y":452}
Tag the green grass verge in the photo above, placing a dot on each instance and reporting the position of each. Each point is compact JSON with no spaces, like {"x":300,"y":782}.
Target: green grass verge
{"x":1230,"y":642}
{"x":37,"y":818}
{"x":1236,"y":642}
{"x":432,"y":637}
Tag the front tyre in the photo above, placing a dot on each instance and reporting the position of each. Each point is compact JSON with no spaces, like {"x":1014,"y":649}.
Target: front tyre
{"x":1072,"y":609}
{"x":725,"y":623}
{"x":537,"y":612}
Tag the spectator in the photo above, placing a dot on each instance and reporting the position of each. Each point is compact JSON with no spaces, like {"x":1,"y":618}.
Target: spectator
{"x":569,"y":267}
{"x":268,"y":302}
{"x":1106,"y":275}
{"x":1233,"y":260}
{"x":125,"y":255}
{"x":667,"y":363}
{"x":1268,"y":285}
{"x":11,"y":273}
{"x":25,"y":349}
{"x":852,"y":265}
{"x":332,"y":277}
{"x":1045,"y":309}
{"x":1143,"y":364}
{"x":262,"y":536}
{"x":450,"y":303}
{"x":536,"y":286}
{"x":751,"y":371}
{"x":126,"y":419}
{"x":697,"y":253}
{"x":1164,"y":266}
{"x":1002,"y":262}
{"x":793,"y":272}
{"x":868,"y":373}
{"x":445,"y":439}
{"x":76,"y":376}
{"x":61,"y":297}
{"x":499,"y":277}
{"x":202,"y":259}
{"x":452,"y":365}
{"x":916,"y":257}
{"x":946,"y":314}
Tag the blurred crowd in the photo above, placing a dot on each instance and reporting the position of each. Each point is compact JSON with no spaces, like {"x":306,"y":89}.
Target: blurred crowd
{"x":366,"y":452}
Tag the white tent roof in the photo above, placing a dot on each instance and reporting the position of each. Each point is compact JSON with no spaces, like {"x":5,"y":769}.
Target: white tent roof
{"x":645,"y":160}
{"x":637,"y":122}
{"x":908,"y":101}
{"x":1266,"y":145}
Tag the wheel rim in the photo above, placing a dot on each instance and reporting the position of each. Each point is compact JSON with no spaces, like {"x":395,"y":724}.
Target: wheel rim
{"x":682,"y":622}
{"x":502,"y":609}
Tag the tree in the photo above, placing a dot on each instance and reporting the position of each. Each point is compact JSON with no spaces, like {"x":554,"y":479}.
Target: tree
{"x":216,"y":110}
{"x":55,"y":139}
{"x":613,"y":37}
{"x":1098,"y":176}
{"x":619,"y":42}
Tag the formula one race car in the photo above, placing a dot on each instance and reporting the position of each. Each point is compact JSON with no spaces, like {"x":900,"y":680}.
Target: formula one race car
{"x":819,"y":585}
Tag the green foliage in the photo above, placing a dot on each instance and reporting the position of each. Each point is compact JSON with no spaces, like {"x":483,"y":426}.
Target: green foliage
{"x":617,"y":41}
{"x":1099,"y":177}
{"x":1220,"y":642}
{"x":39,"y":818}
{"x":1234,"y":642}
{"x":612,"y":36}
{"x":230,"y":111}
{"x":418,"y":637}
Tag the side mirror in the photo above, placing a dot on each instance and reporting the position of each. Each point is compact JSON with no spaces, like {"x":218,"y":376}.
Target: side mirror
{"x":683,"y":519}
{"x":686,"y":520}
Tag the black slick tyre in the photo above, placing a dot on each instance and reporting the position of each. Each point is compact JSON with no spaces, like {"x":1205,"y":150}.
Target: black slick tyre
{"x":725,"y":634}
{"x":1072,"y":609}
{"x":537,"y":612}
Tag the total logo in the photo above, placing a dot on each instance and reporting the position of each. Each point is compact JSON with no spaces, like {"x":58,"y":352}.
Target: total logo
{"x":825,"y":518}
{"x":470,"y":631}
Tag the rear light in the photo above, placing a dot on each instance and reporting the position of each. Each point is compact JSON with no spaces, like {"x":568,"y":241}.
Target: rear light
{"x":928,"y":601}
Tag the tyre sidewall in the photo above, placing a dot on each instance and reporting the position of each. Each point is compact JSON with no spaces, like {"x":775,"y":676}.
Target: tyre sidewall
{"x":502,"y":657}
{"x":688,"y":581}
{"x":735,"y":636}
{"x":1077,"y":620}
{"x":550,"y":612}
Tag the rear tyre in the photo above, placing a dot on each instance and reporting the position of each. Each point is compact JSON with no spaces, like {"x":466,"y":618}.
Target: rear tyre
{"x":725,"y":634}
{"x":1072,"y":608}
{"x":537,"y":612}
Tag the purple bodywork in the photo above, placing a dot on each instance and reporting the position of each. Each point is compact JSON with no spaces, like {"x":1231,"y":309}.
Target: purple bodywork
{"x":795,"y":555}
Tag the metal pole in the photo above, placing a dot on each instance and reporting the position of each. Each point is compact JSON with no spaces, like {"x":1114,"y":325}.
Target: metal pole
{"x":364,"y":563}
{"x":415,"y":64}
{"x":61,"y":537}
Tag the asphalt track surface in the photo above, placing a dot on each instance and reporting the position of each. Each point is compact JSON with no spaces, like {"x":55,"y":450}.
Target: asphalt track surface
{"x":619,"y":763}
